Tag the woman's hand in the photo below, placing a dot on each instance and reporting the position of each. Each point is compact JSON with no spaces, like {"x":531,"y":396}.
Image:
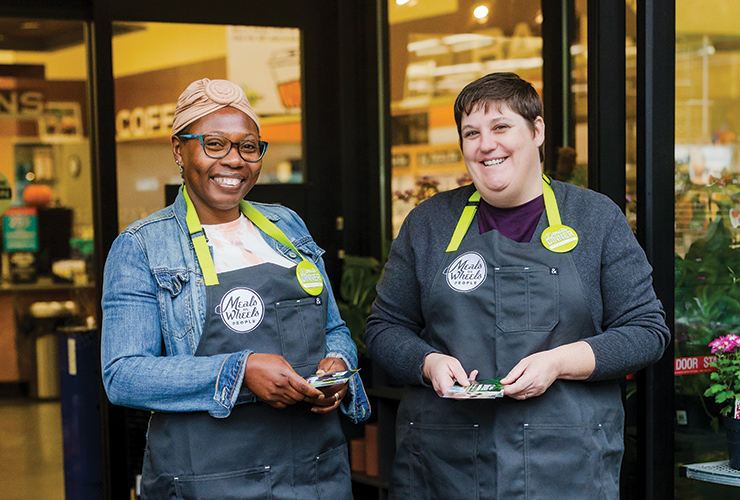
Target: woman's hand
{"x":443,"y":371}
{"x":332,"y":394}
{"x":271,"y":378}
{"x":533,"y":375}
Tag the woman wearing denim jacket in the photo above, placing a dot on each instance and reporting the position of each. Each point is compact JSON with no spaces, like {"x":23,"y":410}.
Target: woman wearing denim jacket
{"x":215,"y":311}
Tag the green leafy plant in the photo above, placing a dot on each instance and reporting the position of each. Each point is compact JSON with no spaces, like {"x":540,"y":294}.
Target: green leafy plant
{"x":726,"y":380}
{"x":707,"y":297}
{"x":360,"y":275}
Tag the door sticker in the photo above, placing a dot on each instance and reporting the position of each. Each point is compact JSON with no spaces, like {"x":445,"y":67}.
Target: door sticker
{"x":467,"y":272}
{"x":241,"y":309}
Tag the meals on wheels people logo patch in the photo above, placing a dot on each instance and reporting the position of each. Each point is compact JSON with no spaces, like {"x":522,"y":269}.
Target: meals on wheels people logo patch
{"x":467,"y":272}
{"x":241,"y":309}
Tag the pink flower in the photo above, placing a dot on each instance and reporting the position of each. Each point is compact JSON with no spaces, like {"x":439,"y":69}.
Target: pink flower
{"x":727,"y":343}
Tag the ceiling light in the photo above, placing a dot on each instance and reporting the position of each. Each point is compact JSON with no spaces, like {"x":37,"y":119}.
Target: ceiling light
{"x":480,"y":12}
{"x":402,"y":2}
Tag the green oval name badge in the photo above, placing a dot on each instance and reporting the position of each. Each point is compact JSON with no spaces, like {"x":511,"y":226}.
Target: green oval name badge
{"x":559,"y":238}
{"x":309,"y":277}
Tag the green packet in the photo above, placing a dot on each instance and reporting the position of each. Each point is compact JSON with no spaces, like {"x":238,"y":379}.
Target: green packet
{"x":331,"y":378}
{"x":478,"y":389}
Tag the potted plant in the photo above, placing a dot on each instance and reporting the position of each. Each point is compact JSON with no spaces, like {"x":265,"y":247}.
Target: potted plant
{"x":356,"y":295}
{"x":725,"y":389}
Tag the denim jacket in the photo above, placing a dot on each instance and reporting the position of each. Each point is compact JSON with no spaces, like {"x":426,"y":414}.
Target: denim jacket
{"x":154,"y":310}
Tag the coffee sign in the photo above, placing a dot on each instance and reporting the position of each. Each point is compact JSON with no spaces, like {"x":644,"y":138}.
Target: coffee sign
{"x":143,"y":122}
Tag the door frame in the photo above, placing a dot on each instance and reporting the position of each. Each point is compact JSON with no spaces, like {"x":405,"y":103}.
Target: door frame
{"x":328,"y":138}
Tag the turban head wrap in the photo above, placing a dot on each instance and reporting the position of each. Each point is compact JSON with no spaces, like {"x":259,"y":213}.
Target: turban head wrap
{"x":205,"y":96}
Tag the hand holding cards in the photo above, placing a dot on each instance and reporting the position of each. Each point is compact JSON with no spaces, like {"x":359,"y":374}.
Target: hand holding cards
{"x":331,"y":378}
{"x":478,"y":389}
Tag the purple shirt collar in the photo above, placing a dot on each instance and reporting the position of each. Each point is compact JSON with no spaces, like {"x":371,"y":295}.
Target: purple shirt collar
{"x":517,"y":223}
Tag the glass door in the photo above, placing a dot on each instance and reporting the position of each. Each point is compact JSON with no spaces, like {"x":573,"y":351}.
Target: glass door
{"x":707,"y":227}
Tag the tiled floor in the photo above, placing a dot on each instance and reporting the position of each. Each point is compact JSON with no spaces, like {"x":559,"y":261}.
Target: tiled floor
{"x":31,"y":450}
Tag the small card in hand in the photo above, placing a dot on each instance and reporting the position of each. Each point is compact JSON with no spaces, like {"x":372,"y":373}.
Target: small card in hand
{"x":478,"y":389}
{"x":331,"y":378}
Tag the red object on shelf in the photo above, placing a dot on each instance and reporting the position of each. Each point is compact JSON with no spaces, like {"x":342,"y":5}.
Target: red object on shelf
{"x":37,"y":195}
{"x":371,"y":449}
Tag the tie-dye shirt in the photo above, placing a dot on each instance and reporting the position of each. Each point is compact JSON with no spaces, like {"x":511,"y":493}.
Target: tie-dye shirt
{"x":239,"y":244}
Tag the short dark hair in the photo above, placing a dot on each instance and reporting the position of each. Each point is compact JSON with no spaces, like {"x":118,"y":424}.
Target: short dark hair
{"x":500,"y":88}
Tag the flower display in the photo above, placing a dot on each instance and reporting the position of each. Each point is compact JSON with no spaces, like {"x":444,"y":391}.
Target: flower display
{"x":726,"y":380}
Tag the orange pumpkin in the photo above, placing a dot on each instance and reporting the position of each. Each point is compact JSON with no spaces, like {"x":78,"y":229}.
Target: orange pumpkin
{"x":37,"y":195}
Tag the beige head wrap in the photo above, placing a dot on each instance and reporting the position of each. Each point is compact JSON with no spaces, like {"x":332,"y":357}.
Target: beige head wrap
{"x":205,"y":96}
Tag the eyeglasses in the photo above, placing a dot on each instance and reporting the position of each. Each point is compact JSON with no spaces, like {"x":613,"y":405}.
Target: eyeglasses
{"x":218,"y":146}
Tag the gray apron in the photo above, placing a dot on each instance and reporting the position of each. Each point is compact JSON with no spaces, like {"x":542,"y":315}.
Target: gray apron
{"x":493,"y":302}
{"x":257,"y":452}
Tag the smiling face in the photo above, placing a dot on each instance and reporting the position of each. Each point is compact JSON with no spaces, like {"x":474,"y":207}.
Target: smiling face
{"x":216,"y":186}
{"x":501,"y":152}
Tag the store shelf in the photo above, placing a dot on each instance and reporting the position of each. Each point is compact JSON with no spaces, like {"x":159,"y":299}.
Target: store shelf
{"x":713,"y":472}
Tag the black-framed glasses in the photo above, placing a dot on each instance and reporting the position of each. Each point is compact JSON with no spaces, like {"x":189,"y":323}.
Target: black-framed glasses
{"x":217,"y":146}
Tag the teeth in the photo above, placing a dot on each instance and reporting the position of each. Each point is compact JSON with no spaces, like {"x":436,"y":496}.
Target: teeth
{"x":493,"y":162}
{"x":227,"y":180}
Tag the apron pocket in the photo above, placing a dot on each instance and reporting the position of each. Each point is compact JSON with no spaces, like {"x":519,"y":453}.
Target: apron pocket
{"x":333,"y":480}
{"x":302,"y":325}
{"x":527,"y":298}
{"x":443,"y":462}
{"x":247,"y":483}
{"x":564,"y":461}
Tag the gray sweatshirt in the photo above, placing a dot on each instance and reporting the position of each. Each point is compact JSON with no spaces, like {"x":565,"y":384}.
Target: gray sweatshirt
{"x":613,"y":269}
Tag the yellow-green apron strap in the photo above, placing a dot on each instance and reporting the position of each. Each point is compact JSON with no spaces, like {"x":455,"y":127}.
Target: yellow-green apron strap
{"x":199,"y":242}
{"x":557,"y":238}
{"x":551,"y":206}
{"x":464,"y":223}
{"x":268,"y":227}
{"x":308,"y":275}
